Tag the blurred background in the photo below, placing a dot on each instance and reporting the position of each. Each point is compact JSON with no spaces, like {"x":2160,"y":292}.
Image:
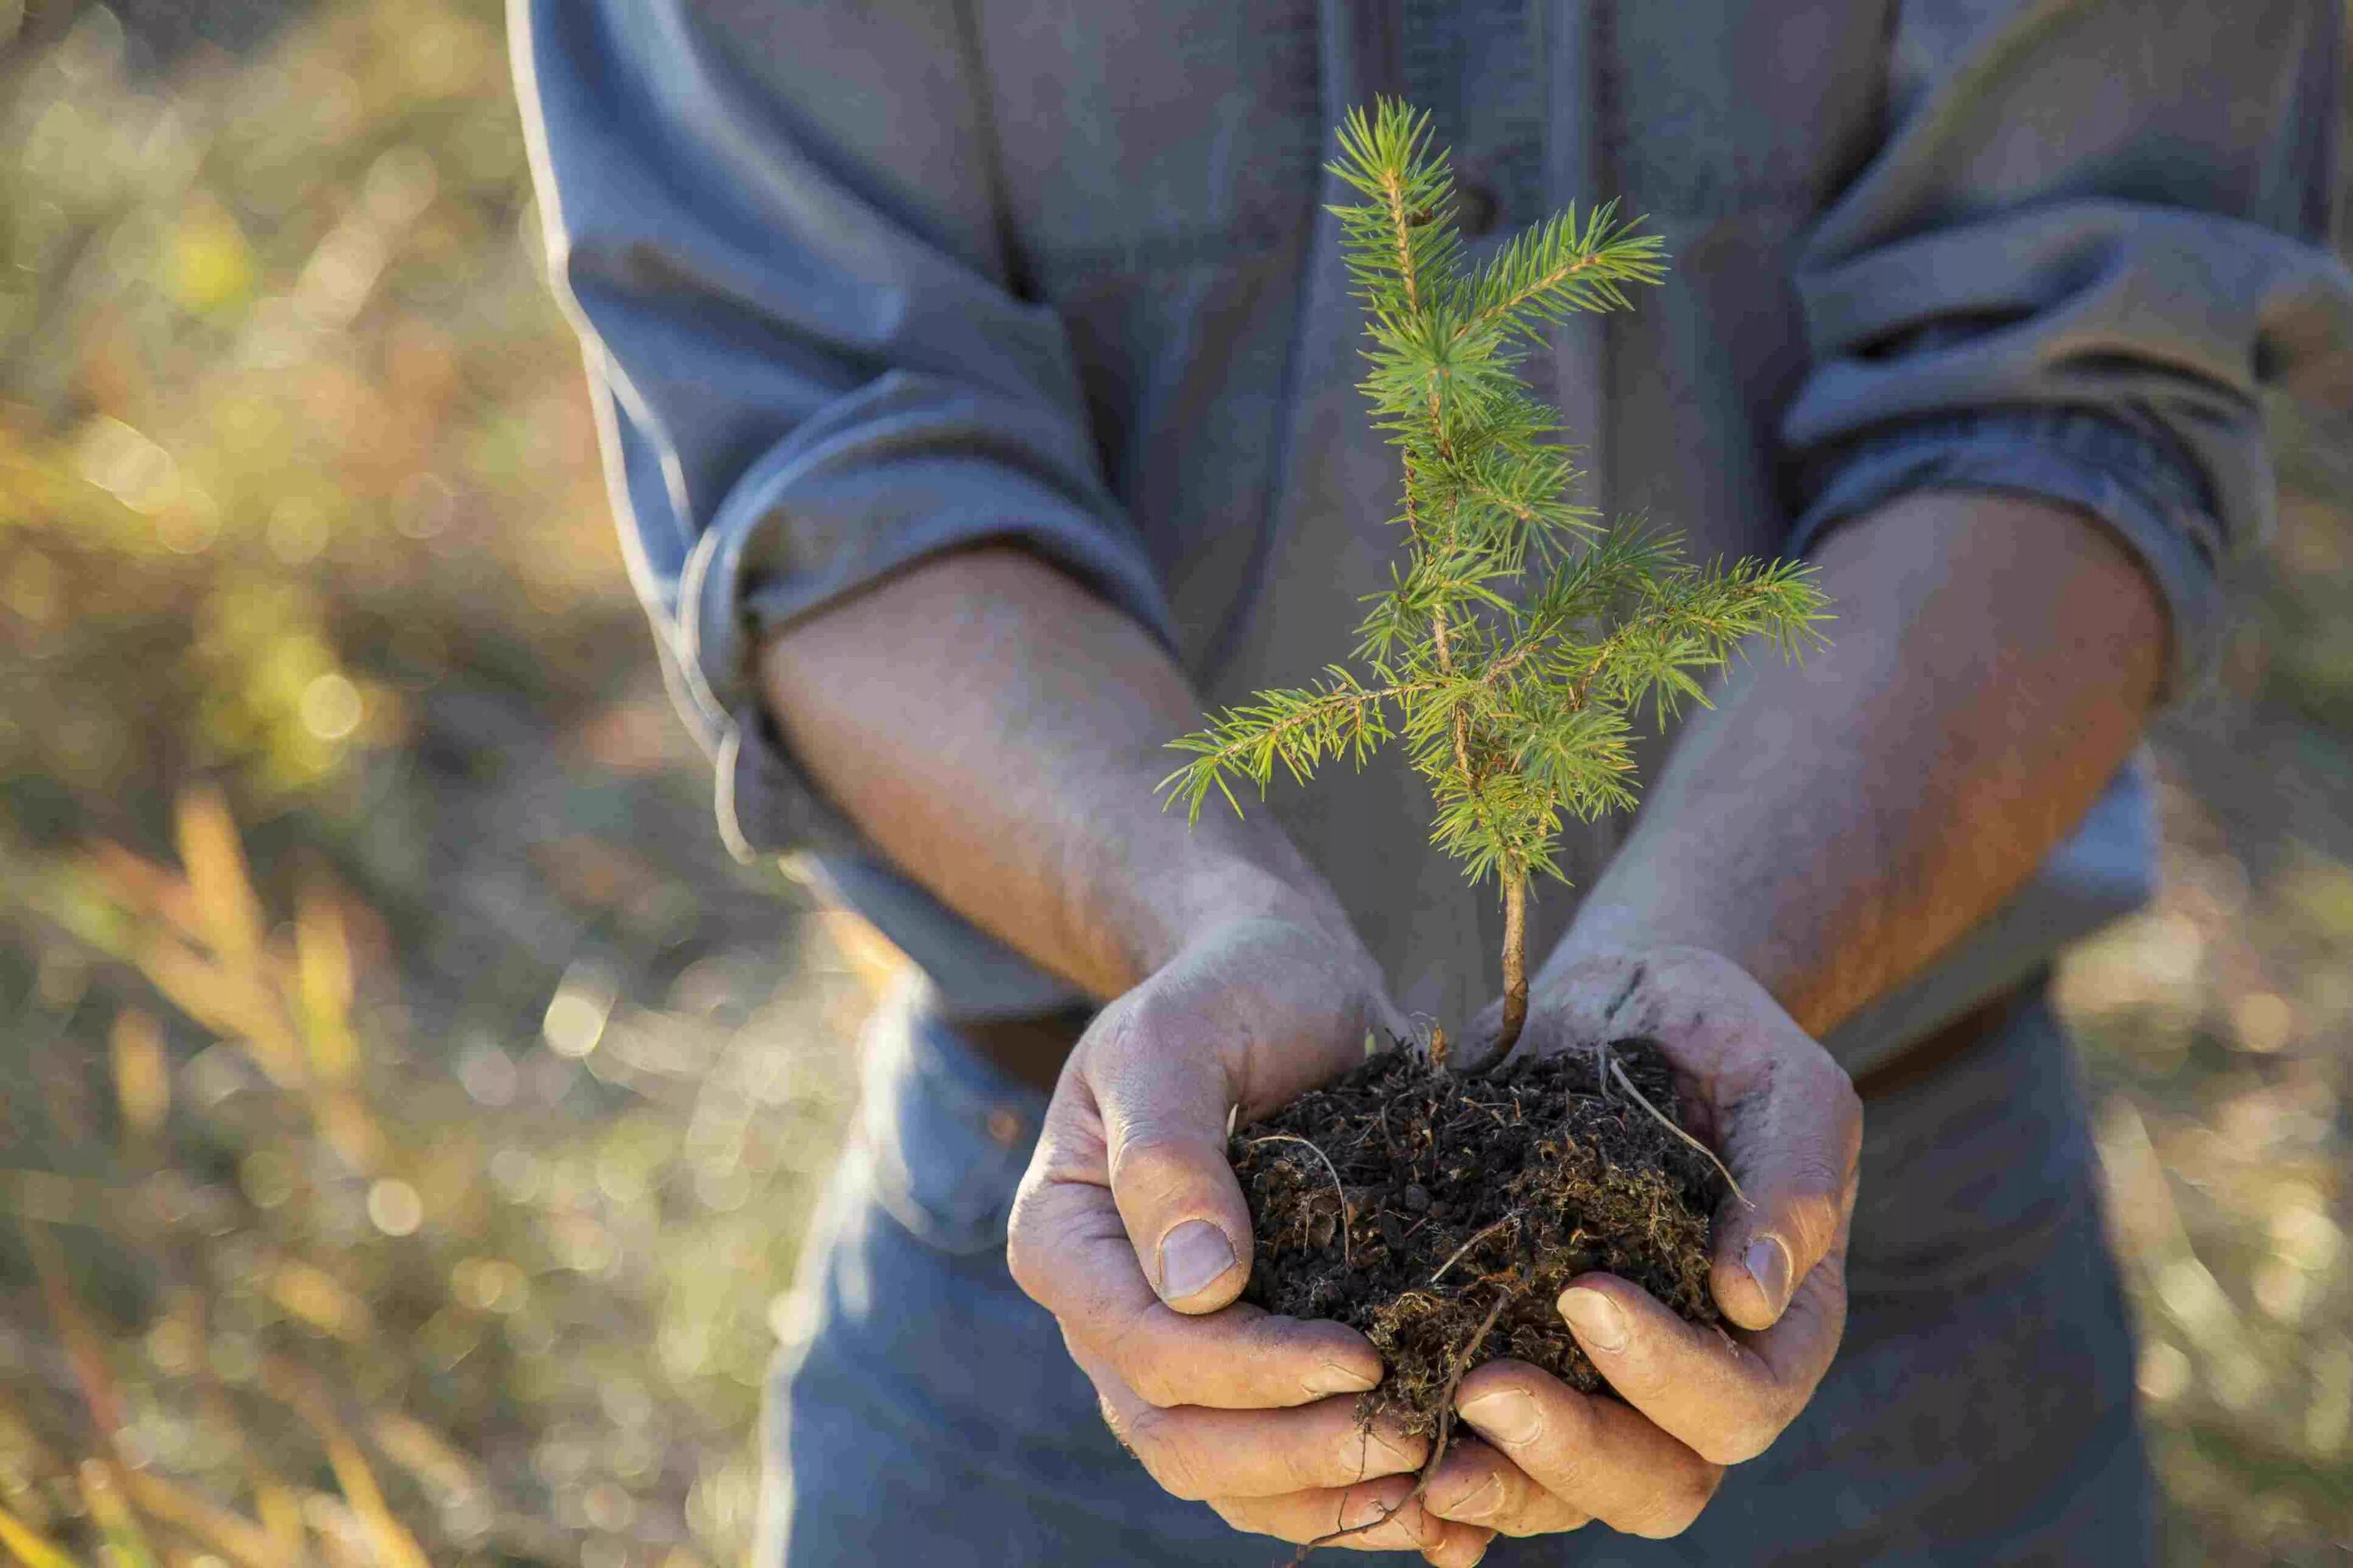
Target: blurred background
{"x":407,"y":1113}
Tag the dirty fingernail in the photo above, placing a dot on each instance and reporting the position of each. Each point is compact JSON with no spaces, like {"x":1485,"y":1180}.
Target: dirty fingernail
{"x":1507,"y":1416}
{"x":1595,"y":1317}
{"x":1769,"y":1266}
{"x":1191,"y":1257}
{"x":1332,"y":1377}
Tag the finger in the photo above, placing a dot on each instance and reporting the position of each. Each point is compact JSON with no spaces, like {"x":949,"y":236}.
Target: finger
{"x":1380,"y":1516}
{"x":1726,"y":1397}
{"x":1198,"y":1452}
{"x":1068,"y":1250}
{"x":1779,"y":1110}
{"x":1594,"y":1453}
{"x":1463,"y":1547}
{"x":1795,"y":1142}
{"x":1476,"y":1485}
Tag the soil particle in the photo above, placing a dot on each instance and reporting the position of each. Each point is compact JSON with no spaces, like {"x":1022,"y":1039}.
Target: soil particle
{"x":1456,"y":1188}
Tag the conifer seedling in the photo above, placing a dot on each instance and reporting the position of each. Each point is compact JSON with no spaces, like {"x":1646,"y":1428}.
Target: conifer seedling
{"x":1517,"y":645}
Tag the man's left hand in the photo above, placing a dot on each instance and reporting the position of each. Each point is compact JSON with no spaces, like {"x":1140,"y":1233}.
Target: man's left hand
{"x":1786,"y":1119}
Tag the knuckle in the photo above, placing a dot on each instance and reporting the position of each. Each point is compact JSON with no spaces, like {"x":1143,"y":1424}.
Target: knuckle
{"x":1841,"y":1111}
{"x":1817,"y":1213}
{"x":1552,"y":1520}
{"x":1804,"y":1212}
{"x":1845,"y":1102}
{"x":1677,"y":1505}
{"x":1022,"y":1259}
{"x":1150,"y":1381}
{"x":1738,"y":1441}
{"x":1237,"y":1513}
{"x":1172,"y":1459}
{"x":1304,"y":1469}
{"x":1119,"y":1427}
{"x":1156,"y":1167}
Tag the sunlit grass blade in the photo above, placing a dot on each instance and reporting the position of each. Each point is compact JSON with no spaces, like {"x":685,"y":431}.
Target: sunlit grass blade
{"x":236,"y":1005}
{"x":103,"y":1493}
{"x":28,"y":1547}
{"x":390,"y":1540}
{"x":243,"y":1541}
{"x":322,"y":964}
{"x":215,"y":859}
{"x":84,"y":1346}
{"x":142,"y":1072}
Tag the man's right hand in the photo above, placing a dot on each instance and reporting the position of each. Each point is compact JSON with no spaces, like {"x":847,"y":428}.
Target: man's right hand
{"x":1131,"y":1229}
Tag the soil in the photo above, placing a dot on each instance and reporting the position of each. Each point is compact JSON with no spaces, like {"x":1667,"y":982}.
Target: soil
{"x":1462,"y":1192}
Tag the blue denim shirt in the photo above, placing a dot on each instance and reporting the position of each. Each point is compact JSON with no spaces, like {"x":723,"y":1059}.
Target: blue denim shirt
{"x":863,"y":283}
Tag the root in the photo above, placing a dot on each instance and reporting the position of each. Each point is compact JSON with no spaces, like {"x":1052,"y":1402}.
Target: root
{"x":1437,"y":1449}
{"x":1721,"y":1170}
{"x":1330,"y":1169}
{"x":1511,"y":1218}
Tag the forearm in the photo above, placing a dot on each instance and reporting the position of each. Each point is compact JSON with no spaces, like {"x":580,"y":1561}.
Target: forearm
{"x":1834,"y":827}
{"x":998,"y":732}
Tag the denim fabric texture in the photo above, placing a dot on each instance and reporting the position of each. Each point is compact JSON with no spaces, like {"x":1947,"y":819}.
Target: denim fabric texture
{"x":1980,"y":1410}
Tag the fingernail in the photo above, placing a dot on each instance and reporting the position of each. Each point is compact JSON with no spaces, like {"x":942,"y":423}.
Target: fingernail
{"x":1192,"y":1256}
{"x":1507,"y":1416}
{"x":1595,"y":1317}
{"x":1769,"y":1266}
{"x":1332,"y":1377}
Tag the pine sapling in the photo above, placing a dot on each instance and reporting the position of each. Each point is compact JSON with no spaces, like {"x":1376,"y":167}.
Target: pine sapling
{"x":1518,"y":638}
{"x":1516,"y":647}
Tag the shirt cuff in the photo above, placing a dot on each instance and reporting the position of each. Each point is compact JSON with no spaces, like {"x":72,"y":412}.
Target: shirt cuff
{"x":907,"y":472}
{"x":2148,"y":495}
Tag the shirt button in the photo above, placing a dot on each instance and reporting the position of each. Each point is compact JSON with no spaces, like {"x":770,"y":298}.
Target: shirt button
{"x":1475,"y":210}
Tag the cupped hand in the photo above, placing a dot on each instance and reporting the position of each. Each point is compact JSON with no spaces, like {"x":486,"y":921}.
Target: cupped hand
{"x":1131,"y":1229}
{"x":1785,"y":1118}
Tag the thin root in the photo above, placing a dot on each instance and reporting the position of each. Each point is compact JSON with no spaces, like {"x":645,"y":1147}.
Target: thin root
{"x":1330,"y":1169}
{"x":1508,"y":1219}
{"x":1721,"y":1170}
{"x":1437,"y":1449}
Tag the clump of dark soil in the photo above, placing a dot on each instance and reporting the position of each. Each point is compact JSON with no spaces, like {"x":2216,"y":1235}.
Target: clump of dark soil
{"x":1462,"y":1192}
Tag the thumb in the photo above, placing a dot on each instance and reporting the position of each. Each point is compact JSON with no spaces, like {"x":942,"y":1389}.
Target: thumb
{"x":1795,"y":1147}
{"x":1256,"y":1018}
{"x":1164,"y":1124}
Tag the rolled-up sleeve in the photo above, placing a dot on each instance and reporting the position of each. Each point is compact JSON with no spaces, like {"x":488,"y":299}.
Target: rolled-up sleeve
{"x":2095,"y":240}
{"x":809,"y":368}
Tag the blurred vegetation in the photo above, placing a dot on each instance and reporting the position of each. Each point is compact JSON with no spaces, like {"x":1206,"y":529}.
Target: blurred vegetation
{"x":408,"y":1114}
